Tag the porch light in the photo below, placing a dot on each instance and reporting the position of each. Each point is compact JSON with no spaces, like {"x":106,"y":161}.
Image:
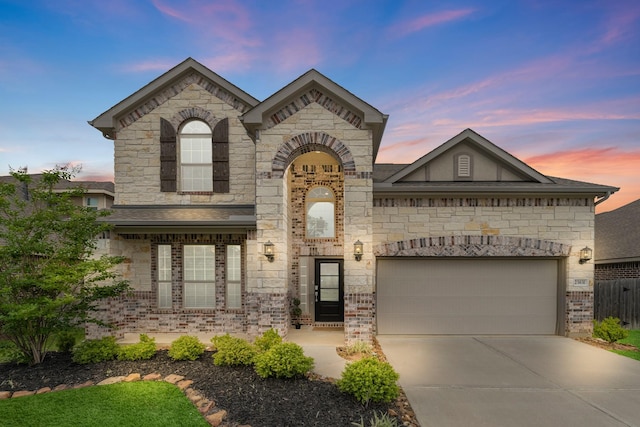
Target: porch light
{"x":268,"y":250}
{"x":585,"y":254}
{"x":357,"y":250}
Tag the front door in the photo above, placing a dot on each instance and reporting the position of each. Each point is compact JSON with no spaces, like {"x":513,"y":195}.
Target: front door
{"x":329,"y":291}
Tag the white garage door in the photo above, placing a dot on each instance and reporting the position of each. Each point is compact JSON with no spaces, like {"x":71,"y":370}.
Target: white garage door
{"x":467,"y":296}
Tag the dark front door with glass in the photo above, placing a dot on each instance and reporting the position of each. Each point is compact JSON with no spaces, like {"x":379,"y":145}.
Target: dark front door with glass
{"x":329,"y":291}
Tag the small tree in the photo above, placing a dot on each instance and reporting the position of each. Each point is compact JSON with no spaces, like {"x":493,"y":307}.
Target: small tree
{"x":50,"y":280}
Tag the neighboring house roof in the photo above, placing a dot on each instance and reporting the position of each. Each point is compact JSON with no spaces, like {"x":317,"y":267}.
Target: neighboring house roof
{"x":617,"y":234}
{"x":91,"y":187}
{"x":158,"y":218}
{"x":151,"y":95}
{"x":297,"y":94}
{"x":519,"y":178}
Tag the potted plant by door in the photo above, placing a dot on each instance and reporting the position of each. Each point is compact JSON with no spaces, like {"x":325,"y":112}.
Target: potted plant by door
{"x":296,"y":312}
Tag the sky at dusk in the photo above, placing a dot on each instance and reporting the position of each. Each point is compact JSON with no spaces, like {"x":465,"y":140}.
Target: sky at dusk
{"x":556,"y":83}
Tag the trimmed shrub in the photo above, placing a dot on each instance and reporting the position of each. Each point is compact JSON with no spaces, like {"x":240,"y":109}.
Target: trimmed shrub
{"x":143,"y":350}
{"x":232,"y":351}
{"x":609,"y":329}
{"x":186,"y":348}
{"x":267,"y":340}
{"x":369,"y":379}
{"x":9,"y":352}
{"x":94,"y":351}
{"x":284,"y":360}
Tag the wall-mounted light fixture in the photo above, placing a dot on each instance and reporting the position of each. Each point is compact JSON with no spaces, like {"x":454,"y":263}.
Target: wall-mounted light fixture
{"x":357,"y":250}
{"x":267,"y":250}
{"x":586,"y":254}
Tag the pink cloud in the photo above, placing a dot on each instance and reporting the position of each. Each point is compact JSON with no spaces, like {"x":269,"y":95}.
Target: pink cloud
{"x":608,"y":166}
{"x":414,"y":25}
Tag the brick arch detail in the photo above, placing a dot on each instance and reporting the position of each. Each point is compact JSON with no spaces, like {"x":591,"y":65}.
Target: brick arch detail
{"x":473,"y":246}
{"x":194,"y":113}
{"x":308,"y":142}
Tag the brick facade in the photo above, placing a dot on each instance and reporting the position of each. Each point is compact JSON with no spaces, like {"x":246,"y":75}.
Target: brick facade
{"x":618,"y":270}
{"x":270,"y":147}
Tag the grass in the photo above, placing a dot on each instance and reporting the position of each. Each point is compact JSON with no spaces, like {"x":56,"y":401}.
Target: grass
{"x":633,"y":339}
{"x":145,"y":403}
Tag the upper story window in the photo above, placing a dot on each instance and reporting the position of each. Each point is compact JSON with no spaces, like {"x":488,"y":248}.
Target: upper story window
{"x":320,"y":211}
{"x":91,"y":202}
{"x":196,"y":161}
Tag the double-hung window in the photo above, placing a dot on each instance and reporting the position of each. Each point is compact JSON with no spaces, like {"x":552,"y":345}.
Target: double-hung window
{"x":196,"y":158}
{"x":199,"y":271}
{"x":234,"y":277}
{"x":164,"y":276}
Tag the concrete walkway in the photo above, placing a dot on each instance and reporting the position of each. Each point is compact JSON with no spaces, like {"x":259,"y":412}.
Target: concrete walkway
{"x":319,"y":344}
{"x":514,"y":381}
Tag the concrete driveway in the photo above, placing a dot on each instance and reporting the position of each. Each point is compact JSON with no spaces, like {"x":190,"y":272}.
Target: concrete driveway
{"x":514,"y":381}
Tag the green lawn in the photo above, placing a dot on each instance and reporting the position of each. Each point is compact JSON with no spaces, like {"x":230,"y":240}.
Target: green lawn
{"x":633,"y":339}
{"x":146,"y":403}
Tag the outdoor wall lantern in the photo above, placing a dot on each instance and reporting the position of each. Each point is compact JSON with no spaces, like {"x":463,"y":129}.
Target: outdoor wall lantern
{"x":585,"y":254}
{"x":357,"y":250}
{"x":268,"y":250}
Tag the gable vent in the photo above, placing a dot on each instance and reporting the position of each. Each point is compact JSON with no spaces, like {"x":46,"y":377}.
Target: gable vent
{"x":464,"y":165}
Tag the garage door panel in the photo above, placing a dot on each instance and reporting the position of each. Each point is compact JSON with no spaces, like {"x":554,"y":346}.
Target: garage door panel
{"x":465,"y":296}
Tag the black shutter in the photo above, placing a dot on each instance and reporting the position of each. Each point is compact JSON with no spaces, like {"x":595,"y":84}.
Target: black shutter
{"x":220,"y":143}
{"x":168,"y":156}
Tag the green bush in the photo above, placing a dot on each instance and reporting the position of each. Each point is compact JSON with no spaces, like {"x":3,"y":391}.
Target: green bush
{"x":186,"y":348}
{"x":609,"y":329}
{"x":93,"y":351}
{"x":65,"y":340}
{"x":9,"y":352}
{"x":232,"y":351}
{"x":267,"y":340}
{"x":284,"y":360}
{"x":369,"y":379}
{"x":143,"y":350}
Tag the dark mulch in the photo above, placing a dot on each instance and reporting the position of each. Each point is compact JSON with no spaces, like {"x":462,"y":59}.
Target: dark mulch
{"x":247,"y":398}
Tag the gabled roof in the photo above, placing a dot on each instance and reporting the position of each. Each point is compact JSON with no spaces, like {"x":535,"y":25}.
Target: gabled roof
{"x":90,"y":187}
{"x":478,"y":140}
{"x":107,"y":121}
{"x":388,"y":181}
{"x":373,"y":119}
{"x":617,"y":234}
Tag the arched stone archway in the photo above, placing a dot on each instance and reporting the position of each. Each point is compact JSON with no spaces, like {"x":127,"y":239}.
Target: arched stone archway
{"x":308,"y":142}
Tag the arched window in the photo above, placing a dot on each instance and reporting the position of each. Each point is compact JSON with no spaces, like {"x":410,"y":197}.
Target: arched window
{"x":320,"y":211}
{"x":196,"y":164}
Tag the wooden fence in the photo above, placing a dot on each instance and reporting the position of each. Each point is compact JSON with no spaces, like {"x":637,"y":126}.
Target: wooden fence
{"x":618,"y":298}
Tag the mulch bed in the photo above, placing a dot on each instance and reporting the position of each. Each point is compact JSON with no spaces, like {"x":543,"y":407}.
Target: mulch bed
{"x":247,"y":398}
{"x":600,"y":343}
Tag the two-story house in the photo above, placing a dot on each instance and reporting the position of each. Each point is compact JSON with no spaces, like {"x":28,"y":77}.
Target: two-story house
{"x":227,"y":207}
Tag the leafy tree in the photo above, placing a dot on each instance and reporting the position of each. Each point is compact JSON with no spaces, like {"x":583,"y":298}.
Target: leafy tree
{"x":50,"y":276}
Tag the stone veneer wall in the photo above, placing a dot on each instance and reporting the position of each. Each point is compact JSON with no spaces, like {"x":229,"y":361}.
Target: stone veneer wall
{"x":618,"y":270}
{"x":495,"y":226}
{"x":137,"y":146}
{"x":317,"y":122}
